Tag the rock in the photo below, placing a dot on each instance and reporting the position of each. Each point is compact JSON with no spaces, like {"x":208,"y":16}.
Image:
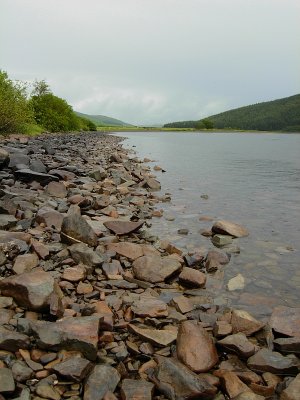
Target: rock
{"x":155,"y":269}
{"x":152,"y":184}
{"x":74,"y":368}
{"x":103,"y":379}
{"x":13,"y":341}
{"x":7,"y":221}
{"x":162,"y":337}
{"x":183,"y":304}
{"x":7,"y":383}
{"x":148,"y":306}
{"x":26,"y":175}
{"x":56,"y":189}
{"x":47,"y":391}
{"x":38,"y":166}
{"x":176,"y":382}
{"x":21,"y":372}
{"x":229,"y":228}
{"x":236,"y":283}
{"x":286,"y":321}
{"x":249,"y":396}
{"x":17,"y":158}
{"x":192,"y":277}
{"x":222,"y":328}
{"x":74,"y":274}
{"x":25,"y":263}
{"x":40,"y":248}
{"x":106,"y":315}
{"x":287,"y":345}
{"x":5,"y":302}
{"x":292,"y":391}
{"x":132,"y":389}
{"x":49,"y":217}
{"x":127,"y":249}
{"x":77,"y":333}
{"x":75,"y":226}
{"x":195,"y":347}
{"x":239,"y":344}
{"x":98,"y":174}
{"x":123,"y":227}
{"x":232,"y":385}
{"x":81,"y":253}
{"x":266,"y":360}
{"x":84,"y":288}
{"x":242,"y":321}
{"x":31,"y":290}
{"x":221,"y":240}
{"x":4,"y":158}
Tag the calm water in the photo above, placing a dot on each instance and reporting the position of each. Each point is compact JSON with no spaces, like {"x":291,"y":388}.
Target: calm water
{"x":252,"y":179}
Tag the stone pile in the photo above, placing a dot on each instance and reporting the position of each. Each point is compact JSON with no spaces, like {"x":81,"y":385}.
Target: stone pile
{"x":93,"y":307}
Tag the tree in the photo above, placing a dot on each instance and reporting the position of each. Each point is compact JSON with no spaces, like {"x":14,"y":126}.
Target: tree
{"x":15,"y":110}
{"x":40,"y":88}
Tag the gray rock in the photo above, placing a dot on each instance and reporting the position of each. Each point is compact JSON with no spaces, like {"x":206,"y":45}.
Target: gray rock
{"x":4,"y":158}
{"x":26,"y":175}
{"x":21,"y":372}
{"x":75,"y":226}
{"x":74,"y":368}
{"x":266,"y":360}
{"x":12,"y":341}
{"x":81,"y":253}
{"x":7,"y":221}
{"x":38,"y":166}
{"x":102,"y":379}
{"x":136,"y":389}
{"x":7,"y":383}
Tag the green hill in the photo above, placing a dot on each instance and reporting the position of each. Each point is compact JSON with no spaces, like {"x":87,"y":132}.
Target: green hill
{"x":102,"y":120}
{"x":277,"y":115}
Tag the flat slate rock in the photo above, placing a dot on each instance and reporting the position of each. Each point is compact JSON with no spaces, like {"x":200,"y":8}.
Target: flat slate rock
{"x":132,"y":389}
{"x":74,"y":368}
{"x":239,"y":344}
{"x":155,"y":269}
{"x":270,"y":361}
{"x":27,"y":175}
{"x":160,"y":337}
{"x":103,"y":379}
{"x":123,"y":227}
{"x":13,"y":341}
{"x":177,"y":382}
{"x":229,"y":228}
{"x":286,"y":321}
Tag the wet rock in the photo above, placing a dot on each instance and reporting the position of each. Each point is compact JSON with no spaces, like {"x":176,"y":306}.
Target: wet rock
{"x":56,"y":189}
{"x":148,"y":306}
{"x":123,"y":227}
{"x":236,"y":283}
{"x":292,"y":391}
{"x":132,"y":389}
{"x":160,"y":337}
{"x":152,"y":184}
{"x":286,"y":321}
{"x":127,"y":249}
{"x":176,"y":382}
{"x":74,"y":368}
{"x":49,"y":217}
{"x":242,"y":321}
{"x":75,"y":226}
{"x":27,"y":175}
{"x":25,"y":263}
{"x":103,"y":379}
{"x":77,"y":333}
{"x":266,"y":360}
{"x":12,"y":341}
{"x":221,"y":240}
{"x":7,"y":383}
{"x":195,"y":347}
{"x":155,"y":269}
{"x":192,"y":277}
{"x":239,"y":344}
{"x":229,"y":228}
{"x":31,"y":290}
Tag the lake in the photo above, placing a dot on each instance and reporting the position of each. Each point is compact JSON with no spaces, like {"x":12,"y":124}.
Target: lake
{"x":249,"y":178}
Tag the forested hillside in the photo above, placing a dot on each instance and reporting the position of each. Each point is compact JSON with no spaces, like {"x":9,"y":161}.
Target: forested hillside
{"x":277,"y":115}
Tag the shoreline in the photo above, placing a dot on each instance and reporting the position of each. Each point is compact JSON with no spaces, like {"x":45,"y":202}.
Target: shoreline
{"x":132,"y":306}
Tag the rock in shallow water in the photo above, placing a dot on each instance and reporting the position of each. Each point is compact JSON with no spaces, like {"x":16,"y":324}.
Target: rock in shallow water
{"x":229,"y":228}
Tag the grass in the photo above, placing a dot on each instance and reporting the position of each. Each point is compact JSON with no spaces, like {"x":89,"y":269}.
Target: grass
{"x":33,"y":130}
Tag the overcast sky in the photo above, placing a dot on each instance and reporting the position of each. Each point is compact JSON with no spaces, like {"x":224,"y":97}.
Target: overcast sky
{"x":152,"y":61}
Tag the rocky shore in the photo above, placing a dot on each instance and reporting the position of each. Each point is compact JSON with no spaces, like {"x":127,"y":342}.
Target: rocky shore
{"x":92,"y":306}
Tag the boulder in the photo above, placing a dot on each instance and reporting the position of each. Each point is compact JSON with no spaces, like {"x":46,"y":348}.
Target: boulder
{"x":229,"y":228}
{"x":176,"y":382}
{"x":31,"y":290}
{"x":154,"y":268}
{"x":195,"y":347}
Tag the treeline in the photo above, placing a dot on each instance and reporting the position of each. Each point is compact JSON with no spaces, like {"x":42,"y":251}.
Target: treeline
{"x":277,"y":115}
{"x":40,"y":110}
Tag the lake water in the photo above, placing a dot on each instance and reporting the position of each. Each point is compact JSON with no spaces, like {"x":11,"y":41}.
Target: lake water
{"x":249,"y":178}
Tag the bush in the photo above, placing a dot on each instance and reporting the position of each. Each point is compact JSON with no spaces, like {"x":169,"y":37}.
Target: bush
{"x":15,"y":110}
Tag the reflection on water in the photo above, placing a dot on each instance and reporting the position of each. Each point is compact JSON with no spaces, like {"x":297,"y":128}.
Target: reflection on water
{"x":252,"y":179}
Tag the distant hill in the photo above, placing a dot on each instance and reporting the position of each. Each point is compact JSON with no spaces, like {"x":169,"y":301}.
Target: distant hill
{"x":102,"y":120}
{"x":277,"y":115}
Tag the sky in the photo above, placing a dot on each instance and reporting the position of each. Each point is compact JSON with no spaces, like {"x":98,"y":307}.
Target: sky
{"x":154,"y":61}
